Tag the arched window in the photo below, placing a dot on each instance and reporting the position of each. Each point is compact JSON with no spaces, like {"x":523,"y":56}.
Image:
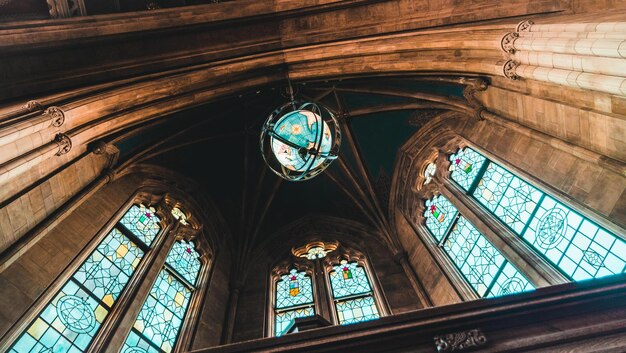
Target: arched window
{"x":577,"y":246}
{"x":71,"y":319}
{"x":162,"y":314}
{"x":488,"y":272}
{"x":294,"y":299}
{"x":352,"y":294}
{"x":344,"y":293}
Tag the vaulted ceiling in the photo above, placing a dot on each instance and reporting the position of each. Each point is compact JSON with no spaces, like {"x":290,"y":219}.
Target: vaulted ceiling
{"x":217,"y":145}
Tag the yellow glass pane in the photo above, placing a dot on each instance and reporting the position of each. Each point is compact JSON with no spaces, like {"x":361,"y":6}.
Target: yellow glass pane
{"x":139,"y":325}
{"x":58,"y":325}
{"x":101,"y":313}
{"x":122,"y":250}
{"x":179,"y":299}
{"x":37,"y":329}
{"x":108,"y":300}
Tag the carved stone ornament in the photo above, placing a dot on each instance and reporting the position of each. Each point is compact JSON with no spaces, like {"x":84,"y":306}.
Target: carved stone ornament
{"x":509,"y":70}
{"x":460,"y":341}
{"x":508,"y":42}
{"x":66,"y":8}
{"x":57,"y":116}
{"x":64,"y":142}
{"x":524,"y":26}
{"x":32,"y":105}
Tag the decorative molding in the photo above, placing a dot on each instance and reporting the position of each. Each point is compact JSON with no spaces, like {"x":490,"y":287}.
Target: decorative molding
{"x":32,"y":105}
{"x":507,"y":43}
{"x":459,"y":341}
{"x":524,"y":26}
{"x":66,"y":8}
{"x":305,"y":251}
{"x":469,"y":93}
{"x":57,"y":116}
{"x":64,"y":142}
{"x":420,"y":117}
{"x":509,"y":70}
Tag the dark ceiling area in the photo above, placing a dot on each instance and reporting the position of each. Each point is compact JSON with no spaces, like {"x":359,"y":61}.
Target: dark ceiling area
{"x":217,"y":145}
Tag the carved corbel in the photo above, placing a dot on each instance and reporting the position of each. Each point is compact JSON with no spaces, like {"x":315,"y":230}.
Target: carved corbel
{"x":524,"y":26}
{"x":64,"y":142}
{"x":108,"y":149}
{"x":473,"y":86}
{"x":507,"y":43}
{"x":459,"y":341}
{"x":32,"y":106}
{"x":509,"y":70}
{"x":57,"y":116}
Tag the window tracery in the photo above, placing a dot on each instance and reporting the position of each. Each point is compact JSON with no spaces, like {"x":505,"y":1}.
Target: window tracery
{"x":482,"y":265}
{"x":346,"y":295}
{"x":70,"y":321}
{"x":577,"y":246}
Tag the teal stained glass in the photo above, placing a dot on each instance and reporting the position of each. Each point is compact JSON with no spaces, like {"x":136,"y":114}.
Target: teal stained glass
{"x":284,"y":318}
{"x":574,"y":244}
{"x":465,"y":165}
{"x":507,"y":196}
{"x":142,"y":222}
{"x":161,"y":316}
{"x":354,"y":300}
{"x":439,"y":215}
{"x":579,"y":247}
{"x":294,"y":299}
{"x":185,"y":260}
{"x":71,"y":319}
{"x":483,"y":266}
{"x":357,"y":310}
{"x":349,"y":279}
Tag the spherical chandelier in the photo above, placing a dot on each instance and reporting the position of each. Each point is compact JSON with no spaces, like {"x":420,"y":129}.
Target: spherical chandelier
{"x":299,"y":140}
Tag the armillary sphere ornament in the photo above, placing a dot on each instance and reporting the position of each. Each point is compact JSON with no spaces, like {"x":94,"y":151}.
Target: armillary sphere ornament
{"x":299,"y":140}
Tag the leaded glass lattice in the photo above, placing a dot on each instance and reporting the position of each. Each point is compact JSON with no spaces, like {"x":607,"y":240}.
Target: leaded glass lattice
{"x":507,"y":196}
{"x":465,"y":165}
{"x":142,"y":222}
{"x":184,"y":259}
{"x":161,"y":315}
{"x":349,"y":279}
{"x":576,"y":245}
{"x":482,"y":264}
{"x":69,"y":322}
{"x":354,"y":300}
{"x":293,"y":289}
{"x":294,"y":299}
{"x":439,"y":215}
{"x":284,"y":319}
{"x":356,"y":310}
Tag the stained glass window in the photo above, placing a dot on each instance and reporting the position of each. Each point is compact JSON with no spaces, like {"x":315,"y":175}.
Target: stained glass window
{"x":72,"y":318}
{"x":294,"y":299}
{"x":142,"y":222}
{"x":483,"y":266}
{"x":439,"y":215}
{"x":465,"y":165}
{"x":352,"y":294}
{"x":577,"y":246}
{"x":162,"y":314}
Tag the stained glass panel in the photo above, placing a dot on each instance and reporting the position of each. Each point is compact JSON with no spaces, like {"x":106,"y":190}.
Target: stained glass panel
{"x":349,"y":279}
{"x":439,"y":215}
{"x":161,"y":315}
{"x":356,"y":310}
{"x":69,"y":322}
{"x":184,"y":259}
{"x":293,"y":289}
{"x":142,"y":222}
{"x":283,"y":319}
{"x":509,"y":281}
{"x":508,"y":197}
{"x":465,"y":166}
{"x":580,"y":248}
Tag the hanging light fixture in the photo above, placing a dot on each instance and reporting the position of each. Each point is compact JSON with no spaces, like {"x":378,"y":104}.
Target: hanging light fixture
{"x":300,"y":139}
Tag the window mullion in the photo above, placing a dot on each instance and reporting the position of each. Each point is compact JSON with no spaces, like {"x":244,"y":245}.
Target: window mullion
{"x":479,"y":176}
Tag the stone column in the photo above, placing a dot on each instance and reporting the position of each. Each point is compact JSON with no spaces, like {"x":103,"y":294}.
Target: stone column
{"x":589,"y":56}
